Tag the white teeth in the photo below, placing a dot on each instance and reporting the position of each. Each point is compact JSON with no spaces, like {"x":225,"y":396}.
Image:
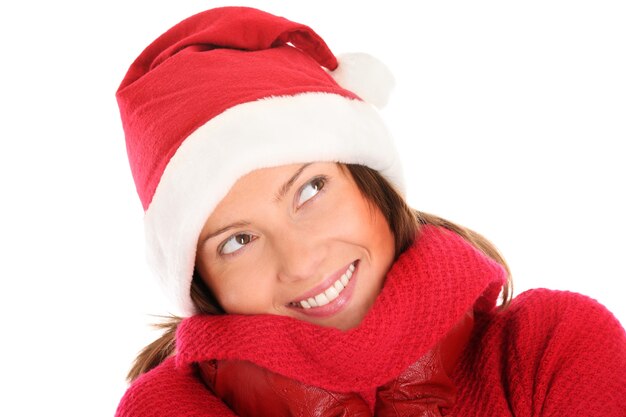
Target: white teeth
{"x":331,"y":292}
{"x":321,"y":299}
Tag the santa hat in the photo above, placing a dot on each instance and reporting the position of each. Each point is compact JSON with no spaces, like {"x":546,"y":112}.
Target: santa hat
{"x":228,"y":91}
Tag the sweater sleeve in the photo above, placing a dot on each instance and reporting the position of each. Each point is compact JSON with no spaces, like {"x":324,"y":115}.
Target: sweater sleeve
{"x":166,"y":391}
{"x":566,"y":356}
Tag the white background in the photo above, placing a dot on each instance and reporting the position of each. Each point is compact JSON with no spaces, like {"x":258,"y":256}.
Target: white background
{"x":511,"y":119}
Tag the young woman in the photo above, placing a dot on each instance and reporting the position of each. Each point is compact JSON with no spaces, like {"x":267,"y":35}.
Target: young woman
{"x":275,"y":221}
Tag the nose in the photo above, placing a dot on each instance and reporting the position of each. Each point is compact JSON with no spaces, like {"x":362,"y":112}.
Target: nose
{"x":300,"y":255}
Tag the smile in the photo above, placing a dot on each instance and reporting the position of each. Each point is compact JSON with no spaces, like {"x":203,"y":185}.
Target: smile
{"x":329,"y":294}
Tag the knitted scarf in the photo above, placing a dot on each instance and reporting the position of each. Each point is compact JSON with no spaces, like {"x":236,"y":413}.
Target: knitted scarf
{"x":428,"y":289}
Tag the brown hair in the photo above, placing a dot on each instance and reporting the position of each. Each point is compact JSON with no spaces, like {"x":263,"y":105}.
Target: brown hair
{"x":404,"y":222}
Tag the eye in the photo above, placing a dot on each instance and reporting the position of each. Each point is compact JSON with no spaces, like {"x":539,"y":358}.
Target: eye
{"x":310,"y":190}
{"x":235,"y":242}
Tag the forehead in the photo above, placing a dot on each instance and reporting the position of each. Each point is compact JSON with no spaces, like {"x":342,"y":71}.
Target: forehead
{"x":263,"y":185}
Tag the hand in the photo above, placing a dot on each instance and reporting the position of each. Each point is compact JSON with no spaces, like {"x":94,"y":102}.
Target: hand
{"x":252,"y":391}
{"x":425,"y":389}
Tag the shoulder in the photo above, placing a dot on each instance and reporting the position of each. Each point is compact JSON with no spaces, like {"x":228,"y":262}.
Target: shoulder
{"x":552,"y":307}
{"x":564,"y":350}
{"x":561,"y":317}
{"x":169,"y":391}
{"x":547,"y":322}
{"x":543,"y":321}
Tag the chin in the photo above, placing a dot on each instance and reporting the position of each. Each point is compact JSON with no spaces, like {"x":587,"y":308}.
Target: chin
{"x":345,"y":320}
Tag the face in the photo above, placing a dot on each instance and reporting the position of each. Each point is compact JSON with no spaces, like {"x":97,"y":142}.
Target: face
{"x":298,"y":241}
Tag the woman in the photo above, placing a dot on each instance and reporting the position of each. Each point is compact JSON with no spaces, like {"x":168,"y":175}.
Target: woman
{"x":275,"y":221}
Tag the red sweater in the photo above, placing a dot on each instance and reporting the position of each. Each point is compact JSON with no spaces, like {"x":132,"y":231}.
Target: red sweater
{"x":549,"y":353}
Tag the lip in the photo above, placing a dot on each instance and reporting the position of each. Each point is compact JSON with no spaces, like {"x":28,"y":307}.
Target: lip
{"x":338,"y":303}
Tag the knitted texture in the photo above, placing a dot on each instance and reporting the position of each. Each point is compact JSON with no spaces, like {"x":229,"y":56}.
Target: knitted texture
{"x":551,"y":353}
{"x":526,"y":361}
{"x":168,"y":392}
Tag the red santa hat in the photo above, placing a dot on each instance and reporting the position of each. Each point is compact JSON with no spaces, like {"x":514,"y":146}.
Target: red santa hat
{"x":228,"y":91}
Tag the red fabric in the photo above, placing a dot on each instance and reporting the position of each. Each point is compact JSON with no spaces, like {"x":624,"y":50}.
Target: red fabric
{"x":178,"y":82}
{"x":550,"y":353}
{"x":252,"y":391}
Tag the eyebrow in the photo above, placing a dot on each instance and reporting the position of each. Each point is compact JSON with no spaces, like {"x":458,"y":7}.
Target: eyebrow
{"x":284,"y":189}
{"x":225,"y":229}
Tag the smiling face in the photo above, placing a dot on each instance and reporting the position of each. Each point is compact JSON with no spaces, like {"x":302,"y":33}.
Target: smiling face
{"x":298,"y":241}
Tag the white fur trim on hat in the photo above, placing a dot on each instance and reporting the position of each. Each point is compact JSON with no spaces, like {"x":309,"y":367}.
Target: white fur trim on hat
{"x":269,"y":132}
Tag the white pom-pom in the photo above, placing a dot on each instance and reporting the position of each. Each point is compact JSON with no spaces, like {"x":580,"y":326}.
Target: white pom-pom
{"x":365,"y":76}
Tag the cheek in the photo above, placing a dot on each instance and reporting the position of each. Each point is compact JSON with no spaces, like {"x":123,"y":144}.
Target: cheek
{"x":355,"y":216}
{"x":369,"y":228}
{"x":241,"y":290}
